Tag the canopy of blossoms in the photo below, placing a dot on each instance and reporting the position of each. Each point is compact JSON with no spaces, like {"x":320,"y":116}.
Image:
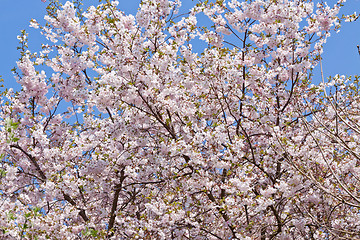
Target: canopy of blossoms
{"x":159,"y":126}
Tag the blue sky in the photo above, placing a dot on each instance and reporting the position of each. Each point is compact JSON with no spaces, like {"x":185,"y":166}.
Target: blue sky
{"x":340,"y":55}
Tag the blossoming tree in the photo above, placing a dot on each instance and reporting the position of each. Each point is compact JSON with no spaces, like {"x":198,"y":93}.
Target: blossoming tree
{"x":156,"y":127}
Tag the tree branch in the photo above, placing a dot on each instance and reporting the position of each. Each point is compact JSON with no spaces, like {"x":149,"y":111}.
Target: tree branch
{"x":33,"y":161}
{"x":115,"y":201}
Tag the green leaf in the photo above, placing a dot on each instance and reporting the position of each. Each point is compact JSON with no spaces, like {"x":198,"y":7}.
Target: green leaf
{"x":2,"y":173}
